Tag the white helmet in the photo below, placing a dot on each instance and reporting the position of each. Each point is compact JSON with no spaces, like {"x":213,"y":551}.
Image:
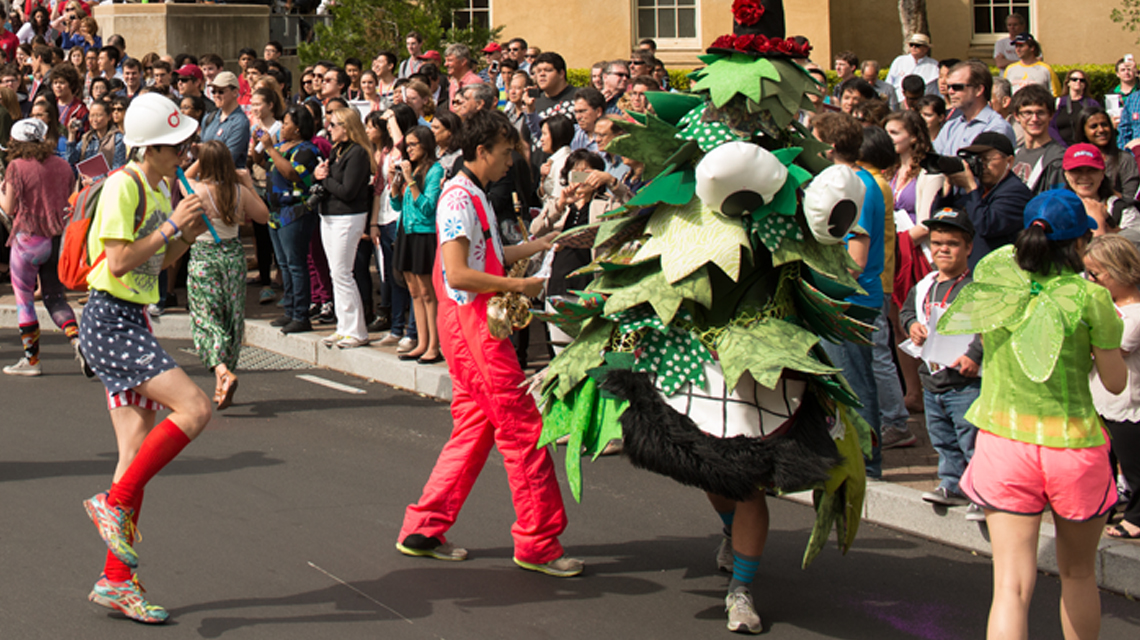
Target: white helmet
{"x":153,"y":120}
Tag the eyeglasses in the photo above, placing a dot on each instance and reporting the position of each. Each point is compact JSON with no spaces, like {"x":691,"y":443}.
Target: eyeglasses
{"x":179,"y":149}
{"x":1093,"y":275}
{"x":332,"y":125}
{"x":1033,"y":113}
{"x":514,"y":49}
{"x":328,"y":80}
{"x":958,"y":87}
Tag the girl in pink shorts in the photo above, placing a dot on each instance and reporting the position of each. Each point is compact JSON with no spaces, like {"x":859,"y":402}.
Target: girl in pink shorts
{"x":1040,"y":441}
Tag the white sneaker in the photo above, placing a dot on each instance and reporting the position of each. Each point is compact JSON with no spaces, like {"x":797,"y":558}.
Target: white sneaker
{"x":974,"y":513}
{"x":331,"y":339}
{"x":742,"y":616}
{"x":724,"y":557}
{"x":405,"y":345}
{"x":389,"y":340}
{"x":23,"y":368}
{"x":154,"y":310}
{"x":351,"y":343}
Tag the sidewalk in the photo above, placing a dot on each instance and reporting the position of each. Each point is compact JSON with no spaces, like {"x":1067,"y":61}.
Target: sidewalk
{"x":894,"y":502}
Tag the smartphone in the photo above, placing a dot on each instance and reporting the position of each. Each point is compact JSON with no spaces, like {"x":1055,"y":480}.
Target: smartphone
{"x":493,"y":67}
{"x":532,"y":93}
{"x":578,"y":177}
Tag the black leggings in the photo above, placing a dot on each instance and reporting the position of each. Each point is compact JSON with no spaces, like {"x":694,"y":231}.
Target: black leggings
{"x":1126,"y":449}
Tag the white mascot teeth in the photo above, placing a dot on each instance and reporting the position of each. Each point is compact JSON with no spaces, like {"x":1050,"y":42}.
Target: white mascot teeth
{"x":738,"y":177}
{"x":832,"y":203}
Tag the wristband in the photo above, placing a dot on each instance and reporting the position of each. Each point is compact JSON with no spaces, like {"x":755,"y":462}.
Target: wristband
{"x":171,"y":221}
{"x":165,"y":240}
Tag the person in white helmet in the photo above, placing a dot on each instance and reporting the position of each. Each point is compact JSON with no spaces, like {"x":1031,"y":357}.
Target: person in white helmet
{"x":136,"y":233}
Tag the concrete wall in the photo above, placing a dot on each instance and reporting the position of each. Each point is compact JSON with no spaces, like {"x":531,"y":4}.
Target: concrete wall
{"x":194,"y":28}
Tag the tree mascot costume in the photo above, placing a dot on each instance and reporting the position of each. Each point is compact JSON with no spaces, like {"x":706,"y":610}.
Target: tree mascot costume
{"x":698,"y":341}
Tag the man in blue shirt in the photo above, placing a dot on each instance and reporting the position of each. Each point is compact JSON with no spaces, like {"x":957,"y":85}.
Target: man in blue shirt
{"x":866,"y":245}
{"x":970,"y":86}
{"x":229,"y":123}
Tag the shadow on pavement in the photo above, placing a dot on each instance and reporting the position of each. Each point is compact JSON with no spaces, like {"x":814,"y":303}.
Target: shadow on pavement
{"x":183,"y":466}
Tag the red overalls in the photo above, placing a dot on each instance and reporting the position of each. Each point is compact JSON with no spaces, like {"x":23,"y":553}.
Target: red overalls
{"x":491,"y":407}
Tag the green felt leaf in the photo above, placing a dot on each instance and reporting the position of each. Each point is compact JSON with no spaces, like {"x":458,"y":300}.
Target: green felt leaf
{"x":830,"y":260}
{"x":827,"y":317}
{"x":676,"y":358}
{"x":765,"y":349}
{"x":776,"y":110}
{"x":812,"y":157}
{"x":787,"y":155}
{"x":555,"y":421}
{"x":735,"y":74}
{"x":707,"y":58}
{"x":676,"y":188}
{"x":690,"y":236}
{"x":608,"y":417}
{"x":783,"y":203}
{"x":798,"y":174}
{"x":652,"y":142}
{"x":665,"y":298}
{"x":671,"y":107}
{"x":584,"y":353}
{"x":826,"y":511}
{"x":827,"y":286}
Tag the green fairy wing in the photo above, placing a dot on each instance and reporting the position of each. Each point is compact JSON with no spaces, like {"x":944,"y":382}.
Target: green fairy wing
{"x":1052,"y":314}
{"x":998,"y":297}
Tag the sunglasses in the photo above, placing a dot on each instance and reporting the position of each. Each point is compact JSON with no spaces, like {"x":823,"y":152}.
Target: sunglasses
{"x":915,"y":45}
{"x":619,"y":74}
{"x":186,"y":79}
{"x":224,"y":89}
{"x":1080,"y":80}
{"x":531,"y":56}
{"x":957,"y":87}
{"x":1093,"y":276}
{"x":332,"y":125}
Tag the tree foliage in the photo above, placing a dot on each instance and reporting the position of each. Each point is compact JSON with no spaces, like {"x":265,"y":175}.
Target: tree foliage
{"x":364,"y":28}
{"x":1127,"y":15}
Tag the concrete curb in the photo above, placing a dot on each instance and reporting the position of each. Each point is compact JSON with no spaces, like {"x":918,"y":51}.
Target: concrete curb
{"x":893,"y":506}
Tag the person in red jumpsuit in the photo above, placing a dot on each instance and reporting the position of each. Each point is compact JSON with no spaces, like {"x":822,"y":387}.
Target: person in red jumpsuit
{"x":490,"y":404}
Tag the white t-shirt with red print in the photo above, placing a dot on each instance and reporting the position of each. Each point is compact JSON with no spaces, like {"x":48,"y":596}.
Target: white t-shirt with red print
{"x":456,"y":217}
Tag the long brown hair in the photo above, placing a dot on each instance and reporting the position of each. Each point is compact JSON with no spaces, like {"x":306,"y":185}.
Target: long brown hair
{"x":216,"y":165}
{"x":916,"y":127}
{"x":10,"y":101}
{"x":38,"y":151}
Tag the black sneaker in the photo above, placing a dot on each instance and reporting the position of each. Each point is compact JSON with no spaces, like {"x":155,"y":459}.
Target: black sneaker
{"x":381,"y":323}
{"x":314,"y":311}
{"x":281,"y":322}
{"x":327,"y":315}
{"x":297,"y":326}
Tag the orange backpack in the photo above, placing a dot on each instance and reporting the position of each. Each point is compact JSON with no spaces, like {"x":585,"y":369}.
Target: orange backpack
{"x":74,"y":262}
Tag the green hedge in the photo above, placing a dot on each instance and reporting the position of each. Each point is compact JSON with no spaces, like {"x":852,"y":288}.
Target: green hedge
{"x":581,"y":77}
{"x":1102,"y":77}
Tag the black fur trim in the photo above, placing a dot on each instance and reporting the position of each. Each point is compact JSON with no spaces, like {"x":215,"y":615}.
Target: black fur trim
{"x":660,"y":439}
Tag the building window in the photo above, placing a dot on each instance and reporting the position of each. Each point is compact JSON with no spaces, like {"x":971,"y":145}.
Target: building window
{"x":475,"y":13}
{"x":667,"y":20}
{"x":990,"y":15}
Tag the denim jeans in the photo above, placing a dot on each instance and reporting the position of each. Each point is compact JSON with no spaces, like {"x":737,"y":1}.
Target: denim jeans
{"x":892,"y":408}
{"x":855,"y":361}
{"x":392,"y":295}
{"x":950,"y":433}
{"x":291,"y":246}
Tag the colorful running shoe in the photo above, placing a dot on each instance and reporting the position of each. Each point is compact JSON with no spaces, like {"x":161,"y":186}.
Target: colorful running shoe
{"x":127,"y":597}
{"x":564,"y":567}
{"x":115,"y":527}
{"x":421,"y":546}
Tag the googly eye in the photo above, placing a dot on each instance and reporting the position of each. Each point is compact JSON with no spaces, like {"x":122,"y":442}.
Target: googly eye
{"x":737,"y":178}
{"x":832,"y":203}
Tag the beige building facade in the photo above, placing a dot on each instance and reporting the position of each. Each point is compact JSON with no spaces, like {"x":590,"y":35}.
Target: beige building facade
{"x":586,"y":31}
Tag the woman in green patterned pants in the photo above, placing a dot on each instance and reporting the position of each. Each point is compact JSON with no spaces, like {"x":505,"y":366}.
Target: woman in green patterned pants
{"x":217,"y":269}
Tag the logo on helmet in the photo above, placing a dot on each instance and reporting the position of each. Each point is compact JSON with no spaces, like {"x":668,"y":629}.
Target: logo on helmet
{"x":174,"y":120}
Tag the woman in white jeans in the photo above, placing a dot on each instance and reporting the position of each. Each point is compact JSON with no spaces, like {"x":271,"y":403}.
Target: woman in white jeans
{"x":345,"y":175}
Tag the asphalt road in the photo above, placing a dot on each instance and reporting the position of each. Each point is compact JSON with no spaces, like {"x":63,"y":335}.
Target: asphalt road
{"x":280,"y":520}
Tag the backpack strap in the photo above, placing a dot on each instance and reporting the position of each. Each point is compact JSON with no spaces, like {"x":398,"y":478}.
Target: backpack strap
{"x":140,"y":211}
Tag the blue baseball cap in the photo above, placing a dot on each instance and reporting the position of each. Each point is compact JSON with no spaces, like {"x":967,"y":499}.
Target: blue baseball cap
{"x":1063,"y":213}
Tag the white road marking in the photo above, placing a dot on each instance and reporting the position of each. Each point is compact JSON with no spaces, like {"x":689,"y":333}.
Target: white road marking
{"x":361,"y":593}
{"x":330,"y":384}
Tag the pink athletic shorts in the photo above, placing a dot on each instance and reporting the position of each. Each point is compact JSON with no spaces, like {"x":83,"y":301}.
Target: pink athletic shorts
{"x":1016,"y":477}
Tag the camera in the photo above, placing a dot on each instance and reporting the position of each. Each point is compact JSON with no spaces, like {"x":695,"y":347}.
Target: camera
{"x":317,"y":195}
{"x":974,"y":161}
{"x":935,"y":164}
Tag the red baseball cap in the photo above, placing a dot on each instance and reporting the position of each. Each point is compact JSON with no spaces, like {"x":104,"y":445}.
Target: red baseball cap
{"x":492,"y":48}
{"x":1082,"y":155}
{"x":432,"y":55}
{"x":191,"y":70}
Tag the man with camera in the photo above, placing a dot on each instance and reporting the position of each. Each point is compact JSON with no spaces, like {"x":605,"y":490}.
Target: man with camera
{"x":970,"y":85}
{"x":995,"y":197}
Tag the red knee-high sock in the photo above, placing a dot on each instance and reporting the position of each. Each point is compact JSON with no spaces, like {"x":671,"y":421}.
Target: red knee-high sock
{"x":114,"y":568}
{"x":161,"y":446}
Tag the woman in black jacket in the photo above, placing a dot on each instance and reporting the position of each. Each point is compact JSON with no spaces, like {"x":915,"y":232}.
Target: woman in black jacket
{"x":345,"y":176}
